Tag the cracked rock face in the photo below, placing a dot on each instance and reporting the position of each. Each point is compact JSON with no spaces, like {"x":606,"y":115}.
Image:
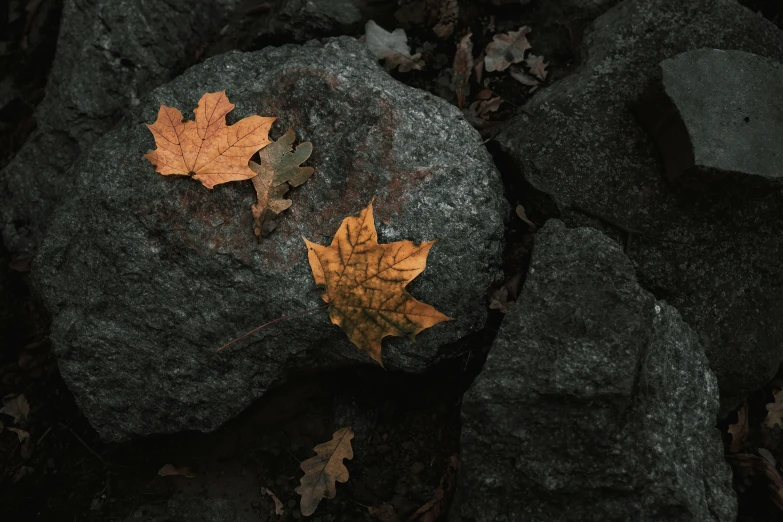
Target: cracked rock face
{"x":110,"y":54}
{"x":714,"y":255}
{"x":145,"y":275}
{"x":596,"y":402}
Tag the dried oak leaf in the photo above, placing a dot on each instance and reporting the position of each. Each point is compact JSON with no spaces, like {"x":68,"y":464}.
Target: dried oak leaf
{"x":365,"y":284}
{"x":323,"y":470}
{"x":448,"y":14}
{"x":505,"y":49}
{"x":748,"y":465}
{"x":278,"y":505}
{"x":537,"y":66}
{"x":391,"y":47}
{"x":478,"y":112}
{"x":739,"y":430}
{"x":775,"y":411}
{"x":207,"y":149}
{"x":278,"y":171}
{"x":16,"y":406}
{"x":463,"y":66}
{"x":524,"y":78}
{"x":25,"y":441}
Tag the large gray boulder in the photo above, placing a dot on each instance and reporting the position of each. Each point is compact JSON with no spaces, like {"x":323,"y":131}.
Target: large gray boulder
{"x":146,"y":275}
{"x":596,"y":402}
{"x":720,"y":114}
{"x":715,"y":256}
{"x":110,"y":54}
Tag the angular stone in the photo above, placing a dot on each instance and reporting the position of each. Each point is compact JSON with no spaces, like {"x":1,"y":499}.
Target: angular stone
{"x":255,"y":25}
{"x":146,"y":275}
{"x":109,"y":56}
{"x":715,"y":257}
{"x":720,"y":112}
{"x":596,"y":402}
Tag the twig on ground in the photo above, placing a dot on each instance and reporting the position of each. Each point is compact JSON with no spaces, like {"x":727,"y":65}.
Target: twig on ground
{"x":84,"y":443}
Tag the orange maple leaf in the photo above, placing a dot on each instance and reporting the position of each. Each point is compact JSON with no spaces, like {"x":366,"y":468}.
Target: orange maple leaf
{"x":207,"y":149}
{"x":323,"y":470}
{"x":365,"y":284}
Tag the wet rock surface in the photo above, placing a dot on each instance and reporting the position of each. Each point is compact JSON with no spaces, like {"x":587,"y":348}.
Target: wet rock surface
{"x":596,"y":401}
{"x":109,"y":56}
{"x":714,"y":255}
{"x":146,"y":275}
{"x":720,"y":112}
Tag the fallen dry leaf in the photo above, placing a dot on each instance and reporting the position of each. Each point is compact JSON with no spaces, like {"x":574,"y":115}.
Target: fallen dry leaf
{"x":169,"y":470}
{"x":759,"y":467}
{"x":365,"y":284}
{"x":323,"y":470}
{"x":463,"y":66}
{"x":505,"y":49}
{"x":739,"y":430}
{"x":384,"y":513}
{"x":520,"y":211}
{"x":448,"y":14}
{"x":391,"y":47}
{"x":21,"y":434}
{"x":775,"y":410}
{"x":500,"y":300}
{"x":478,"y":112}
{"x":524,"y":78}
{"x":278,"y":505}
{"x":22,"y":473}
{"x":478,"y":69}
{"x":207,"y":149}
{"x":16,"y":406}
{"x":537,"y":66}
{"x":437,"y":505}
{"x":278,"y":171}
{"x":25,"y":441}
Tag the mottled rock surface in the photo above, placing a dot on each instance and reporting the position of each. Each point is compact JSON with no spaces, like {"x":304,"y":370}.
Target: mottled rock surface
{"x":596,"y":402}
{"x":255,"y":25}
{"x":720,"y":112}
{"x":714,"y":256}
{"x":195,"y":508}
{"x":146,"y":275}
{"x":109,"y":55}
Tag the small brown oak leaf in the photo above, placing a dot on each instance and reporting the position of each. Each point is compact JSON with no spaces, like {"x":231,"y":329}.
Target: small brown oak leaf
{"x":505,"y":49}
{"x":277,"y":171}
{"x":323,"y":470}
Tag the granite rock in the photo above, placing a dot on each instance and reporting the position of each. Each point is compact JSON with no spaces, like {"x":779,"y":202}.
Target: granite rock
{"x":146,"y":275}
{"x":255,"y":25}
{"x":719,"y":113}
{"x":715,"y":256}
{"x":109,"y":56}
{"x":596,"y":402}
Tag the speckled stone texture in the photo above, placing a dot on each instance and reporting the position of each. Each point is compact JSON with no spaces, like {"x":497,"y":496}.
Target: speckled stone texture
{"x":110,"y":54}
{"x":715,"y":256}
{"x":596,"y":402}
{"x":146,"y":275}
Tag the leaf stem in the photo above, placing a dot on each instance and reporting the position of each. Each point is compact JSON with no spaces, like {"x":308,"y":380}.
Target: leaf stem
{"x":251,"y":332}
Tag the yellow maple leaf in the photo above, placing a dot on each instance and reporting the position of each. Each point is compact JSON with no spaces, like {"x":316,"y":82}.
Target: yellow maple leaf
{"x":323,"y":470}
{"x":365,"y":284}
{"x":207,"y":149}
